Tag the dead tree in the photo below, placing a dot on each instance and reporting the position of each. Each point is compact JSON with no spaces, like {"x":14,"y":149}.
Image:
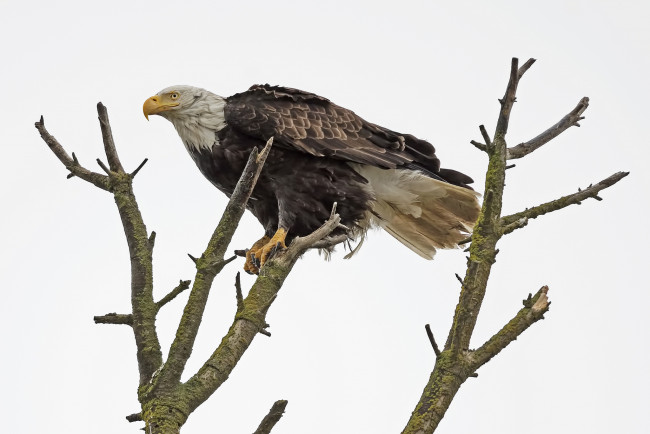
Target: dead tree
{"x":166,"y":402}
{"x":457,"y":362}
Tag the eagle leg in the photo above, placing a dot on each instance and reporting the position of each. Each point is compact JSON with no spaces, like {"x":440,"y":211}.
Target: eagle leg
{"x":276,"y":243}
{"x":253,"y":256}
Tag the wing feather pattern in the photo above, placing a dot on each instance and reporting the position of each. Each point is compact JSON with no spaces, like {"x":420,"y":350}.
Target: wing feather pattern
{"x":309,"y":123}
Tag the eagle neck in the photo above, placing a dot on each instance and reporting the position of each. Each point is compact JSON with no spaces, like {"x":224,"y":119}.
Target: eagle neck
{"x":199,"y":124}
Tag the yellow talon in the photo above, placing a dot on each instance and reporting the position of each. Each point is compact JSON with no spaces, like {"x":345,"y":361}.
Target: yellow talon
{"x":262,"y":250}
{"x":277,"y":240}
{"x":249,"y":266}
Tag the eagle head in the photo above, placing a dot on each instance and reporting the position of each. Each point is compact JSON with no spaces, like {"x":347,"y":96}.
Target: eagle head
{"x":195,"y":113}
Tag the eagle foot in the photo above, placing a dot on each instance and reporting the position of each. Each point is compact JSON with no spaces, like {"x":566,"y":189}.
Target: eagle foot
{"x":263,"y":250}
{"x":252,"y":264}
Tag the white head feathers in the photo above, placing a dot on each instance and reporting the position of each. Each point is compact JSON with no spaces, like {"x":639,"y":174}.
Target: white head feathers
{"x":197,"y":117}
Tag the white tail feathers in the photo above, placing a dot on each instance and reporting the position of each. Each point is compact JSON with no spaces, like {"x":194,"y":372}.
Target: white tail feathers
{"x":422,"y":213}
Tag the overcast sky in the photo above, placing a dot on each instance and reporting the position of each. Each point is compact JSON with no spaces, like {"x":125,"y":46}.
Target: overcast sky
{"x":348,"y":350}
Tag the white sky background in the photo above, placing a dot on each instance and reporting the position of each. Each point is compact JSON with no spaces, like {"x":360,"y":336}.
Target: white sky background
{"x":348,"y":349}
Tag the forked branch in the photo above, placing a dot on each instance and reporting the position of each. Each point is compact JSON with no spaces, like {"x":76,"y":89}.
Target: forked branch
{"x":208,"y":266}
{"x":72,"y":164}
{"x":456,"y":362}
{"x":140,"y":247}
{"x":250,"y":318}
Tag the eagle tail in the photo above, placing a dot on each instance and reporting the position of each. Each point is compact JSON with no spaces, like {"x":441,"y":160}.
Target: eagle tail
{"x":423,"y":213}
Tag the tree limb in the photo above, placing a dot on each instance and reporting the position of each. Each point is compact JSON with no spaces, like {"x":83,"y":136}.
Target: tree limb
{"x":274,"y":415}
{"x":72,"y":164}
{"x":533,"y":311}
{"x":182,"y":286}
{"x":564,"y":201}
{"x":120,"y":184}
{"x":452,"y":366}
{"x":250,"y":320}
{"x":486,"y":233}
{"x":208,"y":265}
{"x":107,"y":137}
{"x":571,"y":119}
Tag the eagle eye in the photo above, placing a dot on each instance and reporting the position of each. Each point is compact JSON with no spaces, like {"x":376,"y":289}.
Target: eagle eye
{"x":174,"y":95}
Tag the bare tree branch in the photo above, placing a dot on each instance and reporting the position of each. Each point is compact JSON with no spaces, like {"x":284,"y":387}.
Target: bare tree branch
{"x":274,"y":415}
{"x":509,"y":99}
{"x":135,"y":417}
{"x":517,"y":224}
{"x":182,"y":286}
{"x":455,"y":363}
{"x":251,"y":320}
{"x":563,"y":202}
{"x":525,"y":67}
{"x":137,"y":169}
{"x":140,"y":249}
{"x":486,"y":136}
{"x":485,"y":236}
{"x":114,"y":318}
{"x":329,"y":242}
{"x":238,"y":293}
{"x":534,"y":310}
{"x":301,"y":244}
{"x":436,"y":350}
{"x":571,"y":119}
{"x":72,"y":164}
{"x":480,"y":146}
{"x":208,"y":265}
{"x":107,"y":137}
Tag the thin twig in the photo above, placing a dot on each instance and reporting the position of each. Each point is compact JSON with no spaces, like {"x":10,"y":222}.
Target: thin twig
{"x":103,"y":166}
{"x":265,"y":332}
{"x":152,"y":240}
{"x":301,"y":244}
{"x":137,"y":169}
{"x":480,"y":146}
{"x":114,"y":318}
{"x":517,"y":224}
{"x":238,"y":293}
{"x":135,"y":417}
{"x":486,"y":136}
{"x":182,"y":286}
{"x":432,"y":340}
{"x":329,"y":242}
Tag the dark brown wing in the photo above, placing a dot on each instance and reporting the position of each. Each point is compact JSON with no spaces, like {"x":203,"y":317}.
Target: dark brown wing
{"x":309,"y":123}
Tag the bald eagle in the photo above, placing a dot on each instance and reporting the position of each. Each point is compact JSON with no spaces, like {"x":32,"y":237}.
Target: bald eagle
{"x":322,"y":153}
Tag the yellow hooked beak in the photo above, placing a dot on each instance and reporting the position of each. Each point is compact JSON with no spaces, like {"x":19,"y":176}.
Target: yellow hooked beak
{"x":157,"y":104}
